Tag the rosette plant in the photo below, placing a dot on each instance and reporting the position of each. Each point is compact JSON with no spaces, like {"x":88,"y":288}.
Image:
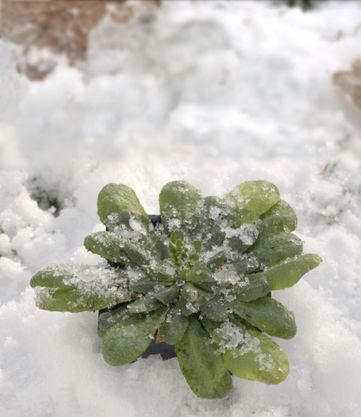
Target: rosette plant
{"x":198,"y":277}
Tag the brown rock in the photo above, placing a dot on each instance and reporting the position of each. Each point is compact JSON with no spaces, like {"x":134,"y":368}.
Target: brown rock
{"x":58,"y":27}
{"x":350,"y":82}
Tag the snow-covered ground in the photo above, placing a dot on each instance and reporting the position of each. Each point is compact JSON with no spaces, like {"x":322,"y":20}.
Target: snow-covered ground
{"x":213,"y":93}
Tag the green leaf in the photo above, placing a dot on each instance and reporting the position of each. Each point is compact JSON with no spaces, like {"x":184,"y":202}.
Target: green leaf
{"x":249,"y":200}
{"x":268,"y":315}
{"x":280,"y":218}
{"x":200,"y":275}
{"x":247,"y":263}
{"x":195,"y":252}
{"x":180,"y":206}
{"x":214,"y":215}
{"x":76,"y":288}
{"x":109,"y":245}
{"x":259,"y":359}
{"x":156,"y":245}
{"x":288,"y":273}
{"x":118,"y":204}
{"x":234,"y":285}
{"x":129,"y":338}
{"x":241,"y":238}
{"x":144,"y":304}
{"x":136,"y":254}
{"x":167,"y":295}
{"x":209,"y":325}
{"x":177,"y":247}
{"x":142,"y":285}
{"x":189,"y":299}
{"x":216,"y":261}
{"x":200,"y":364}
{"x":164,"y":273}
{"x":174,"y":326}
{"x":55,"y":276}
{"x":276,"y":248}
{"x":214,"y":308}
{"x":251,"y":288}
{"x":76,"y":300}
{"x":109,"y":317}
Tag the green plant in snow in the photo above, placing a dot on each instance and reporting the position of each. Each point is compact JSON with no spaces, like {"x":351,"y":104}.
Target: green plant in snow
{"x":200,"y":279}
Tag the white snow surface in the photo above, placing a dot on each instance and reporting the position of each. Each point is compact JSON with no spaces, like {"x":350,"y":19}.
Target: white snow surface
{"x":214,"y":93}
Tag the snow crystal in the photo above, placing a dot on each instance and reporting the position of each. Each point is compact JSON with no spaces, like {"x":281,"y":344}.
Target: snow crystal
{"x":227,"y":274}
{"x":265,"y":361}
{"x":136,"y":225}
{"x":246,"y":233}
{"x":235,"y":338}
{"x":174,"y":224}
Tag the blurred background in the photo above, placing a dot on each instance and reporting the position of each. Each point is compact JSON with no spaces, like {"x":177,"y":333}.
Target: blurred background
{"x":144,"y":92}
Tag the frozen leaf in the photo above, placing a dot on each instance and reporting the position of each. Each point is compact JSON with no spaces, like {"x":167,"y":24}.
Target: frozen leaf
{"x":165,"y":273}
{"x":106,"y":244}
{"x":200,"y":275}
{"x":249,"y":200}
{"x":214,"y":215}
{"x":156,"y":245}
{"x":215,"y":308}
{"x":276,"y":248}
{"x":136,"y":254}
{"x":280,"y":218}
{"x":129,"y":338}
{"x":144,"y":304}
{"x":180,"y":205}
{"x":251,"y":288}
{"x":167,"y":295}
{"x":247,"y":263}
{"x":229,"y":335}
{"x":264,"y":361}
{"x":56,"y":276}
{"x":216,"y":261}
{"x":201,"y":366}
{"x":78,"y":288}
{"x":108,"y":318}
{"x":268,"y":315}
{"x":189,"y":299}
{"x":234,"y":285}
{"x":241,"y":238}
{"x":174,"y":326}
{"x":117,"y":203}
{"x":143,"y":285}
{"x":76,"y":300}
{"x":288,"y":273}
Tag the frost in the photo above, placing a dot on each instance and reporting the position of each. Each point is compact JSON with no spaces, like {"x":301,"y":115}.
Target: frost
{"x":227,"y":274}
{"x":265,"y":360}
{"x":137,"y":226}
{"x":215,"y":213}
{"x":174,"y":224}
{"x":113,"y":219}
{"x":246,"y":233}
{"x":235,"y":338}
{"x":134,"y":274}
{"x":191,"y":307}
